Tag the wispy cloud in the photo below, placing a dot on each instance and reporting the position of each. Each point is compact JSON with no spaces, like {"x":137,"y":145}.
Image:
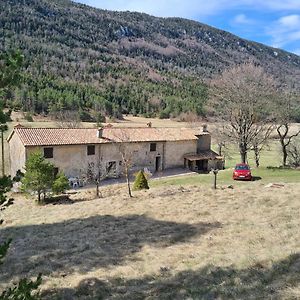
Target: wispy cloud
{"x":291,"y":21}
{"x":296,"y":51}
{"x":285,"y":30}
{"x":242,"y":19}
{"x":280,"y":4}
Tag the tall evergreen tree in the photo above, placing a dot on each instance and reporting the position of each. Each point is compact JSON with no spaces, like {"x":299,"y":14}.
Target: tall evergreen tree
{"x":39,"y":175}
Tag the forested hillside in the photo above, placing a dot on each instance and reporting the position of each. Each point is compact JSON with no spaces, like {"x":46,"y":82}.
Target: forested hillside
{"x":78,"y":57}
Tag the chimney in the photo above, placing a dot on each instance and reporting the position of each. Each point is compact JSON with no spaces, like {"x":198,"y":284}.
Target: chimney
{"x":100,"y":132}
{"x":204,"y":128}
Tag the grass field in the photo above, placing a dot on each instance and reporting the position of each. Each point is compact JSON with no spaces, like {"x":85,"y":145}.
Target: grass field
{"x":171,"y":242}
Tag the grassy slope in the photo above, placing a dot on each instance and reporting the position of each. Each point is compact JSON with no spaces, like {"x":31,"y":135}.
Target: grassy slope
{"x":165,"y":243}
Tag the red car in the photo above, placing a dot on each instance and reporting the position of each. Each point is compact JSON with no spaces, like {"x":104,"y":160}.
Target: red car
{"x":242,"y":172}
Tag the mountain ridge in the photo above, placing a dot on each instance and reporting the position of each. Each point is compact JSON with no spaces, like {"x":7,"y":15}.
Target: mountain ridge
{"x":82,"y":57}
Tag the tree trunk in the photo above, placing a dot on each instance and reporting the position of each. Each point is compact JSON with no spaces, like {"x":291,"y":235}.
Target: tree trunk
{"x":284,"y":151}
{"x":220,"y":146}
{"x":97,"y":188}
{"x":284,"y":156}
{"x":128,"y":183}
{"x":243,"y":152}
{"x":39,"y":197}
{"x":2,"y":154}
{"x":256,"y":156}
{"x":282,"y":136}
{"x":243,"y":156}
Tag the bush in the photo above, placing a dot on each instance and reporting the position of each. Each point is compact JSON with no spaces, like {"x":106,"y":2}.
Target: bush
{"x":164,"y":114}
{"x":85,"y":116}
{"x":141,"y":182}
{"x":60,"y":184}
{"x":3,"y":250}
{"x":28,"y":117}
{"x":100,"y":118}
{"x":25,"y":289}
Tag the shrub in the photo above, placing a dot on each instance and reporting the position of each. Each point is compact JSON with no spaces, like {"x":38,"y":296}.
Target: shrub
{"x":28,"y":117}
{"x":141,"y":182}
{"x":164,"y":114}
{"x":85,"y":116}
{"x":60,"y":184}
{"x":3,"y":250}
{"x":25,"y":289}
{"x":100,"y":118}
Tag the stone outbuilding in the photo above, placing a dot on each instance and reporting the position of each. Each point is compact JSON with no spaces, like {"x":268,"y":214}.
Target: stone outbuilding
{"x":82,"y":151}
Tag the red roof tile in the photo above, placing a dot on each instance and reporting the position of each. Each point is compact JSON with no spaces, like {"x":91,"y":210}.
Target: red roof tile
{"x":75,"y":136}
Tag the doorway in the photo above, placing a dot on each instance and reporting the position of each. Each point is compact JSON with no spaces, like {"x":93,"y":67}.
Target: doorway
{"x":157,"y":163}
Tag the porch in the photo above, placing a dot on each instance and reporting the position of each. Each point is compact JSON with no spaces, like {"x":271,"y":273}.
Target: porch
{"x":203,"y":161}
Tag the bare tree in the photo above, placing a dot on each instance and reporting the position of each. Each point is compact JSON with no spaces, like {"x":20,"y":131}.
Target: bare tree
{"x":260,"y":140}
{"x":241,"y":96}
{"x":294,"y":153}
{"x":96,"y":174}
{"x":122,"y":140}
{"x":126,"y":163}
{"x":221,"y":138}
{"x":68,"y":119}
{"x":286,"y":105}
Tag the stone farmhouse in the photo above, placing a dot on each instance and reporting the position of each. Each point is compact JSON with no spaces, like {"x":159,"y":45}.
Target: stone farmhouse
{"x":82,"y":151}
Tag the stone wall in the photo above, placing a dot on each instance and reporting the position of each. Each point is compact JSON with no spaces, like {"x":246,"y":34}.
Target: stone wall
{"x":16,"y":154}
{"x":204,"y":142}
{"x":74,"y":161}
{"x":175,"y":152}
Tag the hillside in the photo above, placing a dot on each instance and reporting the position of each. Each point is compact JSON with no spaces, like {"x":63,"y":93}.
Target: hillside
{"x":79,"y":57}
{"x":169,"y":242}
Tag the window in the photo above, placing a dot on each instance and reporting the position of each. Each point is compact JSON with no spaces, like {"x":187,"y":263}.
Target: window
{"x":48,"y":152}
{"x":91,"y":150}
{"x":152,"y":147}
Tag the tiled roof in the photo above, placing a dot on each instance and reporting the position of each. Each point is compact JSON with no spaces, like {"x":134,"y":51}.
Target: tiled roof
{"x":77,"y":136}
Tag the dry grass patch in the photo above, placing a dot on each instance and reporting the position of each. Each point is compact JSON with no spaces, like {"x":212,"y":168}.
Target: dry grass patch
{"x":165,"y":243}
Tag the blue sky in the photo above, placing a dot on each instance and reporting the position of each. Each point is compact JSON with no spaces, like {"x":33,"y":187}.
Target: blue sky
{"x":272,"y":22}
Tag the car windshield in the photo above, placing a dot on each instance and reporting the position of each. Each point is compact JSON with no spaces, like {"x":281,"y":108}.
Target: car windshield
{"x":242,"y":167}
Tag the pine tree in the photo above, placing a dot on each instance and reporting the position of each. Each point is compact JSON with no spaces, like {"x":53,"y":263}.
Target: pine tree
{"x":141,"y":182}
{"x":60,"y":184}
{"x":39,"y":175}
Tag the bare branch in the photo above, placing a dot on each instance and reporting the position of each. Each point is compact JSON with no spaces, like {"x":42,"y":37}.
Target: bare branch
{"x":241,"y":96}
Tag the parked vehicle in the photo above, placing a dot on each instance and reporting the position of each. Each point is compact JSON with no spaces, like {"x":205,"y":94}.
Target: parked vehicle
{"x":242,"y":172}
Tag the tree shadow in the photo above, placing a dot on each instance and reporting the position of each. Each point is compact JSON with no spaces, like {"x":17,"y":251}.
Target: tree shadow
{"x":62,"y":200}
{"x":58,"y":200}
{"x":256,"y":178}
{"x":210,"y":282}
{"x":83,"y":245}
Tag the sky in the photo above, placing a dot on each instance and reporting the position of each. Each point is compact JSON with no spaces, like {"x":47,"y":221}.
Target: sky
{"x":272,"y":22}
